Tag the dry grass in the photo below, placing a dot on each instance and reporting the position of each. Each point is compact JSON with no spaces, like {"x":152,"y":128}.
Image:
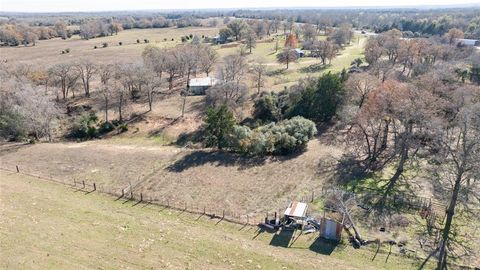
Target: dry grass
{"x":49,"y":51}
{"x":197,"y":177}
{"x":49,"y":226}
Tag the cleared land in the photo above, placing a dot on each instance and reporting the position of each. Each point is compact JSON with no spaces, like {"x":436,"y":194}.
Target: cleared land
{"x":219,"y":181}
{"x":47,"y":225}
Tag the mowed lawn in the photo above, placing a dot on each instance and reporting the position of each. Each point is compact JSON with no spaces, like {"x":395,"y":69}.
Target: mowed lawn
{"x":46,"y":225}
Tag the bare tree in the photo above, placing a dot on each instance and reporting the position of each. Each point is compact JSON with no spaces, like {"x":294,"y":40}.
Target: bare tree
{"x":233,"y":68}
{"x":106,"y":73}
{"x":461,"y":160}
{"x":359,"y":86}
{"x":259,"y":71}
{"x":250,"y":39}
{"x":207,"y":59}
{"x":229,"y":93}
{"x":64,"y":75}
{"x":287,"y":56}
{"x":86,"y":70}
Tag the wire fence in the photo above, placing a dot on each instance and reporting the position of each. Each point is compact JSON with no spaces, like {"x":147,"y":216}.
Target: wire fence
{"x":129,"y":194}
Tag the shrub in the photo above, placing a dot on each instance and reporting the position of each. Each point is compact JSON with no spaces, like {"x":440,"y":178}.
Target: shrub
{"x":184,"y":39}
{"x":146,"y":40}
{"x":95,"y":47}
{"x":85,"y":127}
{"x":165,"y":39}
{"x":104,"y":44}
{"x":282,"y":138}
{"x":123,"y":128}
{"x":120,"y":43}
{"x":218,"y":126}
{"x":67,"y":50}
{"x":138,"y":40}
{"x":106,"y":127}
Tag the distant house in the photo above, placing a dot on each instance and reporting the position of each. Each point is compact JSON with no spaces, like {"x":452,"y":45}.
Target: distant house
{"x":299,"y":53}
{"x":221,"y":39}
{"x":198,"y":86}
{"x":468,"y":42}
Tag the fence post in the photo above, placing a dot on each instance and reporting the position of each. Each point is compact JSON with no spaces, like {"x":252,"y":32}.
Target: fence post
{"x":141,"y":197}
{"x":94,"y":186}
{"x":131,"y":194}
{"x":123,"y":193}
{"x":313,"y":195}
{"x":204,"y":210}
{"x":83,"y":182}
{"x":17,"y":168}
{"x":223,"y":214}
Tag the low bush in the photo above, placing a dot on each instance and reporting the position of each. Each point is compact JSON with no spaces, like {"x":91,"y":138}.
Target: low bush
{"x":106,"y":127}
{"x":280,"y":138}
{"x":104,"y":44}
{"x":85,"y":127}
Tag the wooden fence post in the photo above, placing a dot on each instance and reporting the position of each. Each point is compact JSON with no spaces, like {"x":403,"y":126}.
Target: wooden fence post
{"x":223,"y":214}
{"x":17,"y":168}
{"x":313,"y":196}
{"x":94,"y":186}
{"x":141,"y":197}
{"x":123,"y":193}
{"x":83,"y":182}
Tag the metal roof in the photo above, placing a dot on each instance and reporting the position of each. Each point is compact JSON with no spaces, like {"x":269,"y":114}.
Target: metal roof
{"x":206,"y":81}
{"x":296,"y":209}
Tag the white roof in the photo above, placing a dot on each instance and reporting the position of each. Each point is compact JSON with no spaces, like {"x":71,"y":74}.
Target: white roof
{"x":296,"y":209}
{"x":466,"y":41}
{"x":206,"y":81}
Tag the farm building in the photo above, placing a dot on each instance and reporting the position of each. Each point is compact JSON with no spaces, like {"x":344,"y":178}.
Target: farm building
{"x":299,"y":53}
{"x":198,"y":86}
{"x":468,"y":42}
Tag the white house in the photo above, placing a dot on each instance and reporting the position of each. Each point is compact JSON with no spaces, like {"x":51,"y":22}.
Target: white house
{"x":198,"y":86}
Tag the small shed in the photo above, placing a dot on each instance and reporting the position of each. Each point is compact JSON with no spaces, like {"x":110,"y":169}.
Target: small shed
{"x":331,"y":229}
{"x":198,"y":86}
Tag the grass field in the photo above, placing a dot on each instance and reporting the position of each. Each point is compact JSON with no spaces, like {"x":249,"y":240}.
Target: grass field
{"x":45,"y":225}
{"x":49,"y":51}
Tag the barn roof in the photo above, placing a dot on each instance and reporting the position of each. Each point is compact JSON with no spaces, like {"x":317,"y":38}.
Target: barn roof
{"x":206,"y":81}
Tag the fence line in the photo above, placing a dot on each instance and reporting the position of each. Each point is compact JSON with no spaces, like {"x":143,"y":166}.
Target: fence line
{"x":220,"y":214}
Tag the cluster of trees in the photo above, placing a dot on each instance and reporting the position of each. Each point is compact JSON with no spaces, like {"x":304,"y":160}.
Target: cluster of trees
{"x":415,"y":56}
{"x":418,"y":22}
{"x":99,"y":28}
{"x":429,"y":112}
{"x":25,"y":109}
{"x":13,"y":34}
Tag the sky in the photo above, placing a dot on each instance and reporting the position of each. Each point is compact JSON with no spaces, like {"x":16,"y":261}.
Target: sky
{"x":107,"y":5}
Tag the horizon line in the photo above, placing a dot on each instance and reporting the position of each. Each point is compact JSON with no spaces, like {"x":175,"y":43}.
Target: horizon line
{"x":434,"y":6}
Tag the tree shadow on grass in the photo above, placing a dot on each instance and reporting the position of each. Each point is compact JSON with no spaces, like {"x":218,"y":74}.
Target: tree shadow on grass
{"x":225,"y":159}
{"x":314,"y":68}
{"x":323,"y":246}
